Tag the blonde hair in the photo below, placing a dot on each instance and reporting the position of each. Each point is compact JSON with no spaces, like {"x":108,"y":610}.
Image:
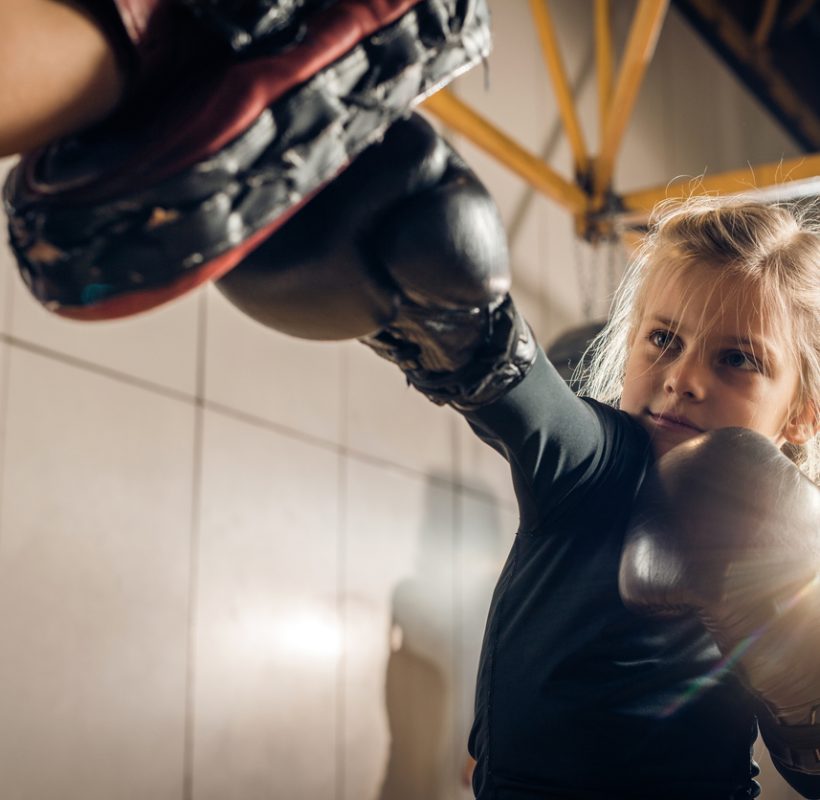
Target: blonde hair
{"x":771,"y":249}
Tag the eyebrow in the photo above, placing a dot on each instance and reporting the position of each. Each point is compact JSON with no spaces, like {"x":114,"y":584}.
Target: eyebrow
{"x":671,"y":323}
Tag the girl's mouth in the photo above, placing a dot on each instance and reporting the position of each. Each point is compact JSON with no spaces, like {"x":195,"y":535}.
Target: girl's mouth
{"x":673,"y":422}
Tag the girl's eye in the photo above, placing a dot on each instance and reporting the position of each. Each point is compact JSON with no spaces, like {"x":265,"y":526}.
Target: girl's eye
{"x":662,"y":339}
{"x":737,"y":359}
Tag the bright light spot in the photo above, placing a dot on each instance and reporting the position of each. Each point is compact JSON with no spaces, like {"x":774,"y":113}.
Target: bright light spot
{"x":306,"y":635}
{"x":311,"y":634}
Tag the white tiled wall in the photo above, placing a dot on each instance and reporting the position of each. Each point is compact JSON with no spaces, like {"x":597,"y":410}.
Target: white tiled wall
{"x":268,"y":632}
{"x":158,"y":347}
{"x":293,"y":383}
{"x":236,"y":565}
{"x":95,"y":534}
{"x":399,"y":678}
{"x":387,"y":420}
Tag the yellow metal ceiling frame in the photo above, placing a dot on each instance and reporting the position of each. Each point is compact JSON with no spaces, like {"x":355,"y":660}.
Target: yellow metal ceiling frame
{"x":563,"y":93}
{"x":590,"y":197}
{"x":789,"y":176}
{"x":640,"y":47}
{"x":465,"y":120}
{"x":604,"y":60}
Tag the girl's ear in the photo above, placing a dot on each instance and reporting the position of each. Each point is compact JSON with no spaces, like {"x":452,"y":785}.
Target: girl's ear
{"x":804,"y":424}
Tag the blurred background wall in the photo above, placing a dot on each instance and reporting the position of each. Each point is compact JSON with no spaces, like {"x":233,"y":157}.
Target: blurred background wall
{"x":237,"y":566}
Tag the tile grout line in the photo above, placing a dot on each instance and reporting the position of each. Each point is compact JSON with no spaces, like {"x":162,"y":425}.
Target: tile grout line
{"x":97,"y":369}
{"x":193,"y":571}
{"x":351,"y":452}
{"x":193,"y":563}
{"x":457,"y":561}
{"x":341,"y":669}
{"x":233,"y":413}
{"x":340,"y":789}
{"x":5,"y":389}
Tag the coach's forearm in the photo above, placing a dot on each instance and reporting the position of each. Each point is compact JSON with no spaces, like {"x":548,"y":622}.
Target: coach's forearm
{"x":58,"y":73}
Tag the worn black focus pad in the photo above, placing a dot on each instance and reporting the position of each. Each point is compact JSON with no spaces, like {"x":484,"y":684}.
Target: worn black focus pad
{"x":248,"y":25}
{"x":143,"y":208}
{"x":727,"y":527}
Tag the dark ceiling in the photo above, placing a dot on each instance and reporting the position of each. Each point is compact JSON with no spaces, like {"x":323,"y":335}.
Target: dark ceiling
{"x":774,"y":48}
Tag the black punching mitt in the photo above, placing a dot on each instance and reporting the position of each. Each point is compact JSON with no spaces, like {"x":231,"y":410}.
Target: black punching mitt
{"x":406,"y":251}
{"x":407,"y":219}
{"x":237,"y":113}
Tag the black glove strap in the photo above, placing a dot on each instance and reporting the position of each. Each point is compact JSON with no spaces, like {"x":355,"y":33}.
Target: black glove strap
{"x":795,"y":746}
{"x":503,"y":356}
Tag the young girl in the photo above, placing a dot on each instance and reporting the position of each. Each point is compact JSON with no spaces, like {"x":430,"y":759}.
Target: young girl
{"x":716,"y":326}
{"x":712,"y":355}
{"x":749,"y":267}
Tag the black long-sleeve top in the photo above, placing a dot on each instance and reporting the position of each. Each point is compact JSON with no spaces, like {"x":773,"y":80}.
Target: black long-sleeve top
{"x":577,"y":697}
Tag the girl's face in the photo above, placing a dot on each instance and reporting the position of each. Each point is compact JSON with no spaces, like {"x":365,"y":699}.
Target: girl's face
{"x":704,"y":358}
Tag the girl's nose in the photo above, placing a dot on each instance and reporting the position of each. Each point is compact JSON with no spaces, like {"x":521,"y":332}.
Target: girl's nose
{"x":686,"y":377}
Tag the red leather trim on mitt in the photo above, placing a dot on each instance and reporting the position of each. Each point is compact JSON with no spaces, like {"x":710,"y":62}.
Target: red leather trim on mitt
{"x":127,"y":305}
{"x":218,"y":107}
